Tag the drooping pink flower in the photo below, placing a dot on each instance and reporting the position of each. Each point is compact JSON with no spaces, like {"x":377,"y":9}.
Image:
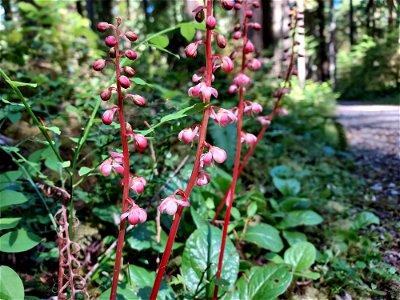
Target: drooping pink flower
{"x":221,"y":41}
{"x":241,"y":80}
{"x":112,"y":163}
{"x":232,"y":89}
{"x":108,"y":115}
{"x":110,"y":41}
{"x":136,"y":99}
{"x":252,"y":107}
{"x":191,"y":50}
{"x":249,"y":14}
{"x":206,"y":92}
{"x":203,"y":178}
{"x":249,"y":138}
{"x":196,"y":77}
{"x":254,"y":64}
{"x":218,"y":154}
{"x":237,"y":35}
{"x":132,"y":55}
{"x":249,"y":47}
{"x":103,"y":26}
{"x":206,"y":159}
{"x":195,"y":90}
{"x":171,"y":203}
{"x":227,"y":4}
{"x":187,"y":135}
{"x":135,"y":214}
{"x":140,"y":142}
{"x":130,"y":35}
{"x":106,"y":94}
{"x":223,"y":116}
{"x":227,"y":64}
{"x":99,"y":65}
{"x":256,"y":26}
{"x":136,"y":183}
{"x":264,"y":120}
{"x":280,"y":111}
{"x":211,"y":22}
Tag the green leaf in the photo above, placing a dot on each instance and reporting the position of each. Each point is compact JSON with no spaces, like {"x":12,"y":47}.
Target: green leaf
{"x":300,"y":217}
{"x":66,"y":164}
{"x":294,"y":237}
{"x":308,"y":275}
{"x":161,"y":41}
{"x":26,"y":7}
{"x":295,"y":203}
{"x":54,"y":129}
{"x":124,"y":292}
{"x":10,"y":197}
{"x":288,"y":187}
{"x":18,"y":241}
{"x":188,"y":31}
{"x":282,"y":171}
{"x":252,"y":209}
{"x":225,"y":138}
{"x":301,"y":256}
{"x":11,"y":287}
{"x":84,"y":170}
{"x":199,"y":221}
{"x":365,"y":219}
{"x":107,"y":213}
{"x":139,"y":81}
{"x":200,"y":259}
{"x":165,"y":50}
{"x":7,"y":223}
{"x":265,"y":236}
{"x":269,"y":282}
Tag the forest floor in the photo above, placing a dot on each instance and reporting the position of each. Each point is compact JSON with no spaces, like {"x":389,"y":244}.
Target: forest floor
{"x":373,"y":134}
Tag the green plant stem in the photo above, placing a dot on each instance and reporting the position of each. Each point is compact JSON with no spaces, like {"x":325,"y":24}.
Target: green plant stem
{"x":196,"y":166}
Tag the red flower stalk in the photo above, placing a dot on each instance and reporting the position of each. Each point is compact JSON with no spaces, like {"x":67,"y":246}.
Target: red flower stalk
{"x":265,"y":121}
{"x":203,"y":90}
{"x":119,"y":162}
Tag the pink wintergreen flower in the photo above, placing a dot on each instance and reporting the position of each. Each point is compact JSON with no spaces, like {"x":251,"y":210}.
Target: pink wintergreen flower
{"x":211,"y":22}
{"x":170,"y":205}
{"x":194,"y":91}
{"x":249,"y":47}
{"x":203,"y":178}
{"x":130,"y":54}
{"x":99,"y":64}
{"x":103,"y":26}
{"x":249,"y":14}
{"x":227,"y":64}
{"x":249,"y":138}
{"x":106,"y":94}
{"x":223,"y":116}
{"x":252,"y":107}
{"x":254,"y":64}
{"x":221,"y":41}
{"x":218,"y":154}
{"x":187,"y":135}
{"x":264,"y":120}
{"x":256,"y":26}
{"x":280,"y":111}
{"x":136,"y":183}
{"x":237,"y":35}
{"x":232,"y":89}
{"x":124,"y":81}
{"x":130,"y":35}
{"x":281,"y":92}
{"x":227,"y":4}
{"x":140,"y":142}
{"x":196,"y":77}
{"x":206,"y":92}
{"x":108,"y":115}
{"x":191,"y":50}
{"x":112,"y":163}
{"x":135,"y":214}
{"x":110,"y":41}
{"x":241,"y":80}
{"x":206,"y":159}
{"x":136,"y":99}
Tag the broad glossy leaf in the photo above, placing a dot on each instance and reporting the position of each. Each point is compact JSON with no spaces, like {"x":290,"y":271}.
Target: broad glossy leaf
{"x":288,"y":187}
{"x":282,"y":171}
{"x":124,"y":292}
{"x":265,"y":236}
{"x":301,"y":256}
{"x":294,"y":237}
{"x":364,"y":219}
{"x":200,"y":258}
{"x":198,"y":220}
{"x":7,"y":223}
{"x":252,"y":209}
{"x":295,"y":203}
{"x":10,"y":197}
{"x":161,"y":41}
{"x":18,"y":241}
{"x":11,"y":287}
{"x":300,"y":217}
{"x":188,"y":31}
{"x":267,"y":283}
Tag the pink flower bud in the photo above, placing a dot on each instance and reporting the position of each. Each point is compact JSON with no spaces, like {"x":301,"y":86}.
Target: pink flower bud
{"x":103,"y":26}
{"x":249,"y":138}
{"x":130,"y":72}
{"x":227,"y":4}
{"x":256,"y":26}
{"x":237,"y":35}
{"x":195,"y":90}
{"x":105,"y":168}
{"x":202,"y":178}
{"x":191,"y":50}
{"x":137,"y":215}
{"x":249,"y":14}
{"x":108,"y":115}
{"x":218,"y":154}
{"x":137,"y":183}
{"x":256,"y":4}
{"x":211,"y":22}
{"x":170,"y":205}
{"x":140,"y":142}
{"x":196,"y":78}
{"x":256,"y":108}
{"x":232,"y":89}
{"x":223,"y":116}
{"x":130,"y":35}
{"x":187,"y":135}
{"x":254,"y":64}
{"x":241,"y":80}
{"x":206,"y":159}
{"x":99,"y":64}
{"x":124,"y":81}
{"x":139,"y":100}
{"x":206,"y":92}
{"x":132,"y":55}
{"x":280,"y":111}
{"x":105,"y":95}
{"x":221,"y":42}
{"x":249,"y":47}
{"x":227,"y":64}
{"x":199,"y":16}
{"x":112,"y":53}
{"x":237,"y":6}
{"x":111,"y":41}
{"x":264,"y":120}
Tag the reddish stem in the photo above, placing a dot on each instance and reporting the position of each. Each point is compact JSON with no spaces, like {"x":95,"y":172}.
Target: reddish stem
{"x":231,"y":191}
{"x":126,"y":174}
{"x":196,"y":167}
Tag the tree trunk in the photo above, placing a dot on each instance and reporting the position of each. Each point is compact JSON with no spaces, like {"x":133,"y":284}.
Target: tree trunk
{"x":7,"y":9}
{"x":352,"y":24}
{"x":322,"y":53}
{"x":332,"y":43}
{"x":301,"y":61}
{"x":90,"y":11}
{"x":267,"y":24}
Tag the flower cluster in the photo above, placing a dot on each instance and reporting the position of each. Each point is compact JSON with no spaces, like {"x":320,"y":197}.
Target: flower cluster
{"x":118,"y":163}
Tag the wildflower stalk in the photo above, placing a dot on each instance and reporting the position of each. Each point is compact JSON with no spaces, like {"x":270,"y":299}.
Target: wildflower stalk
{"x":196,"y":167}
{"x":275,"y":111}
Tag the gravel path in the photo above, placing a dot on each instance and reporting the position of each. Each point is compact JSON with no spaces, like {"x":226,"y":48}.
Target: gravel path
{"x":373,"y":134}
